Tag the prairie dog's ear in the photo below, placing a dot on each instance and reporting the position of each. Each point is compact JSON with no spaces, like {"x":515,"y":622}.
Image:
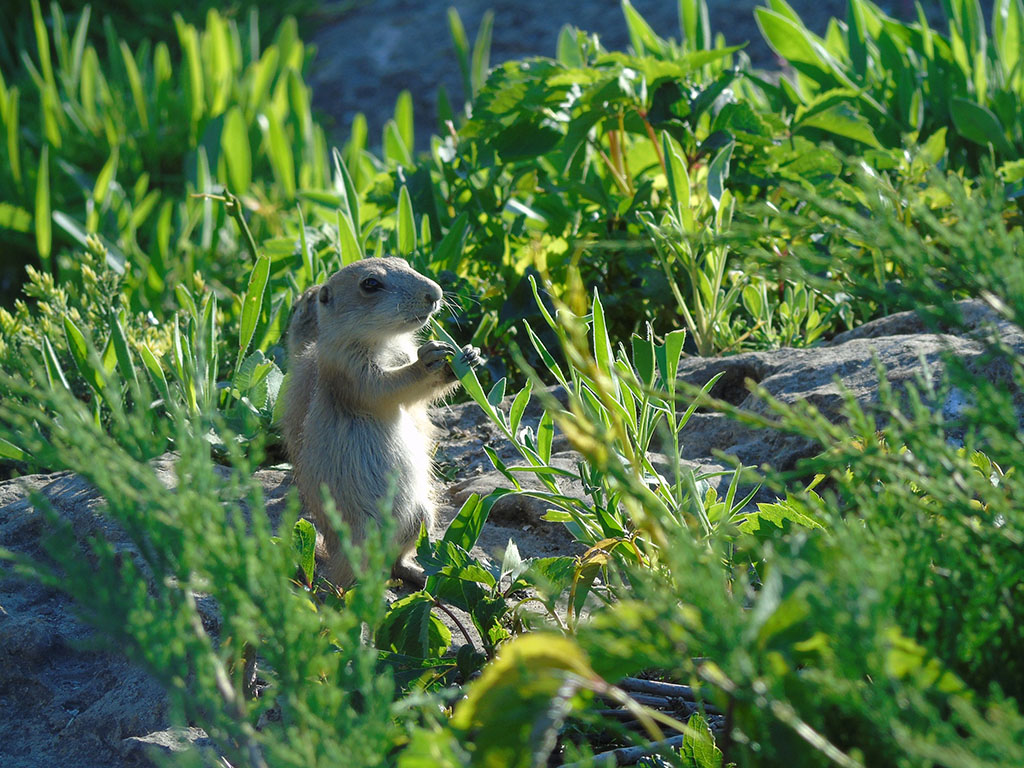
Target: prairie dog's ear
{"x":324,"y":294}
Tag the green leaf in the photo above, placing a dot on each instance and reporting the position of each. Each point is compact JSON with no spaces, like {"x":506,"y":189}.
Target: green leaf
{"x":406,"y":225}
{"x":698,"y":749}
{"x":234,"y":143}
{"x":11,"y":118}
{"x":497,"y":393}
{"x":545,"y":436}
{"x":465,"y":528}
{"x":979,"y":124}
{"x":643,"y":357}
{"x":404,"y":118}
{"x":279,"y":150}
{"x":43,"y":46}
{"x":481,"y":62}
{"x":448,"y":253}
{"x":602,"y":344}
{"x":156,"y":372}
{"x":346,"y":186}
{"x":838,"y":115}
{"x":525,"y":139}
{"x":519,"y":404}
{"x":189,"y":41}
{"x":1008,"y":33}
{"x":641,"y":36}
{"x":11,"y":452}
{"x":794,"y":43}
{"x":349,"y":247}
{"x":668,"y":357}
{"x":44,"y":224}
{"x":519,"y":700}
{"x":718,"y":171}
{"x":410,"y":628}
{"x":304,"y":543}
{"x":124,"y":355}
{"x":678,"y":180}
{"x":107,"y":173}
{"x":80,"y":349}
{"x":252,"y":303}
{"x":465,"y":373}
{"x":779,"y":514}
{"x":567,"y":49}
{"x":461,"y":43}
{"x":694,"y":24}
{"x":135,"y":84}
{"x":395,"y":149}
{"x":54,"y":371}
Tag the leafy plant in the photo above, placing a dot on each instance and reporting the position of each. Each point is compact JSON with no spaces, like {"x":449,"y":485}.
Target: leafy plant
{"x":874,"y":79}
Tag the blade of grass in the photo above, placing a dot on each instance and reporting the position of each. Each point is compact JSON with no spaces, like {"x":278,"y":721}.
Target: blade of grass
{"x":44,"y":224}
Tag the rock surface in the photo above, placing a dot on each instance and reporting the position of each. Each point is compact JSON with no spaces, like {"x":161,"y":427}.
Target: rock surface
{"x":64,"y":700}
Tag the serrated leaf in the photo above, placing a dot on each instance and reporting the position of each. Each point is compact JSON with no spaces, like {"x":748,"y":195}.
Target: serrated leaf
{"x":410,"y":628}
{"x":698,"y":749}
{"x":779,"y":513}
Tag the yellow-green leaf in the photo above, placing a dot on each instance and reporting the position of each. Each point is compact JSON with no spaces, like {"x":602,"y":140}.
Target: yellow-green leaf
{"x":44,"y":223}
{"x":234,"y":143}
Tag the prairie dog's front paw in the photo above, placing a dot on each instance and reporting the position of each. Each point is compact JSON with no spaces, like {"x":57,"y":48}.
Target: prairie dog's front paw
{"x":433,"y":354}
{"x":470,"y":355}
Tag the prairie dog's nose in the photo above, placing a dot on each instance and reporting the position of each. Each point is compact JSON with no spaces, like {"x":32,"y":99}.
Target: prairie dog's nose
{"x":434,"y":293}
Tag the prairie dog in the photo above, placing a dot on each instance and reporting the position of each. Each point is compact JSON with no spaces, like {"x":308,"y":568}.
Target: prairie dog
{"x":355,"y":413}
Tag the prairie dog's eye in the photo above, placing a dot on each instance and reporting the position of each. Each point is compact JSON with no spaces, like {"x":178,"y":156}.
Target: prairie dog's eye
{"x":371,"y":285}
{"x":324,"y":294}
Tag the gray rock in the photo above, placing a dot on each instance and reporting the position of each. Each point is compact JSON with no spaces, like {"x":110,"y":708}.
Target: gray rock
{"x":819,"y":375}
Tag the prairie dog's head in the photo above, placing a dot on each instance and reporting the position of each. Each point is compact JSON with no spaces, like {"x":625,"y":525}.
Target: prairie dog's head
{"x":371,"y":301}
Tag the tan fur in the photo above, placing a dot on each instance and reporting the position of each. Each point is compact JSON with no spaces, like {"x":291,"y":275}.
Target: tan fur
{"x":355,"y":416}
